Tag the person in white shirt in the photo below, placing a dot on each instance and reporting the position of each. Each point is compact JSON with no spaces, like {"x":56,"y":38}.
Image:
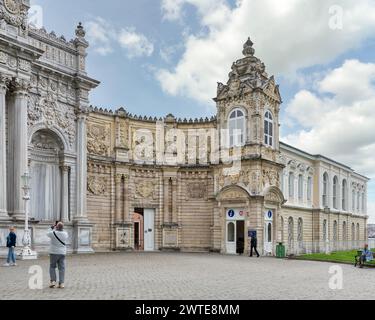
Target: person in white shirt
{"x":57,"y":253}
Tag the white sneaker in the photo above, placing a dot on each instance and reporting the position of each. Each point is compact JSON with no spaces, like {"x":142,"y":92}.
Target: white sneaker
{"x":52,"y":284}
{"x":14,"y":264}
{"x":6,"y":265}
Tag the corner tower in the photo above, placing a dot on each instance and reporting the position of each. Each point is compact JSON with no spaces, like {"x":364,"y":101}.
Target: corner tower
{"x":250,"y":102}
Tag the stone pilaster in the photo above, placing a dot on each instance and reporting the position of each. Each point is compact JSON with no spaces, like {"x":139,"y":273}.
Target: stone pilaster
{"x":166,"y":201}
{"x":127,"y":213}
{"x":119,"y":199}
{"x":19,"y":147}
{"x":81,"y":167}
{"x":4,"y":81}
{"x":174,"y":202}
{"x":65,"y":193}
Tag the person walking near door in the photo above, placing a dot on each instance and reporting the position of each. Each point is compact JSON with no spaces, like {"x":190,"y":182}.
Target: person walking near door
{"x":253,"y":245}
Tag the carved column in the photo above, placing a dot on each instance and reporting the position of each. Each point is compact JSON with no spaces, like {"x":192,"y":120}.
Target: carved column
{"x":119,"y":199}
{"x":166,"y":200}
{"x":81,"y":165}
{"x":126,"y":213}
{"x":174,"y":201}
{"x":19,"y":147}
{"x":4,"y":81}
{"x":65,"y":193}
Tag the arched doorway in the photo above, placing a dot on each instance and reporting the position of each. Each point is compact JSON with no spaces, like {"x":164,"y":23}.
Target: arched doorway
{"x":49,"y":185}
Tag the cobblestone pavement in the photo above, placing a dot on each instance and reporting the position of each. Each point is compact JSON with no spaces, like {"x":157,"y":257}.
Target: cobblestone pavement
{"x":179,"y":276}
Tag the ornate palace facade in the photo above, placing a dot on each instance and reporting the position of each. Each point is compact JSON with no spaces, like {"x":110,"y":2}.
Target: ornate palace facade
{"x":123,"y":182}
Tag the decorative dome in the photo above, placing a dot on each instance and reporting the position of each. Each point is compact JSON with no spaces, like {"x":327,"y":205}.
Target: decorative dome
{"x":248,"y":49}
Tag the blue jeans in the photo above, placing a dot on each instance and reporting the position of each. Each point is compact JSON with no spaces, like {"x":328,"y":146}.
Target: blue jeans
{"x":11,"y":256}
{"x":57,"y":261}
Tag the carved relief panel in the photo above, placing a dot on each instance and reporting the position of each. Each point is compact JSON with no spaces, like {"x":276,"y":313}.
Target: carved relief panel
{"x":49,"y":112}
{"x":98,"y":139}
{"x":97,"y":185}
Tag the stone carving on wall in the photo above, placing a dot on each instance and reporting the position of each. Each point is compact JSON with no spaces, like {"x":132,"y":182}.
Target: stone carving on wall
{"x":233,"y":194}
{"x":243,"y":177}
{"x":196,"y":190}
{"x":248,"y":74}
{"x":14,"y":13}
{"x":255,"y":182}
{"x":97,"y":139}
{"x":271,"y":197}
{"x":145,"y":189}
{"x":46,"y":110}
{"x":270,"y":178}
{"x":97,"y":185}
{"x":123,"y":135}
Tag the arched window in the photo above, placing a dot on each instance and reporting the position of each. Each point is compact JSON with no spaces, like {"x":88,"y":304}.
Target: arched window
{"x":353,"y":231}
{"x":282,"y":188}
{"x":363,"y":203}
{"x":335,"y":189}
{"x":300,"y":188}
{"x":335,"y":233}
{"x":324,"y":230}
{"x":344,"y":231}
{"x":237,"y":128}
{"x":268,"y":129}
{"x":358,"y":200}
{"x":357,"y":231}
{"x":325,"y":190}
{"x":300,"y":230}
{"x":269,"y":232}
{"x":290,"y":233}
{"x":344,"y":193}
{"x":291,"y":185}
{"x":231,"y":232}
{"x":309,"y":189}
{"x":353,"y":201}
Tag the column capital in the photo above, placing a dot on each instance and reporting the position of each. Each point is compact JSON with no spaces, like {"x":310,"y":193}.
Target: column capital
{"x":64,"y":167}
{"x":20,"y":86}
{"x":4,"y":82}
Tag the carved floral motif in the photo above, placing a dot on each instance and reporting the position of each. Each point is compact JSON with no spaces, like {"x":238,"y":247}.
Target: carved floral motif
{"x":97,"y":185}
{"x":46,"y":110}
{"x":145,"y":189}
{"x":97,"y":139}
{"x":196,"y":190}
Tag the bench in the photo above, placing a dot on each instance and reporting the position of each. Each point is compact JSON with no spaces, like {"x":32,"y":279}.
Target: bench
{"x":359,"y":262}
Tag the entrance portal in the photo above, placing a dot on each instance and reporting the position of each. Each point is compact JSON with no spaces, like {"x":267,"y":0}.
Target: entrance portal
{"x":144,"y":221}
{"x":235,"y":231}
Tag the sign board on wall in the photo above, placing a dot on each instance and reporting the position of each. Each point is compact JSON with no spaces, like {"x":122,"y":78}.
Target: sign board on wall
{"x":236,"y":214}
{"x":268,"y":215}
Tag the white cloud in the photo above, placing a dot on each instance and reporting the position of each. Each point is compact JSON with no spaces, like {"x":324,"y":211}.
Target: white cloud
{"x":136,"y":44}
{"x":100,"y":34}
{"x":341,"y":126}
{"x":288,"y":35}
{"x":103,"y":37}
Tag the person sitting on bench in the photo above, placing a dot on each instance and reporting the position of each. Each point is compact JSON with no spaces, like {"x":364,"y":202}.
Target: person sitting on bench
{"x":366,"y":255}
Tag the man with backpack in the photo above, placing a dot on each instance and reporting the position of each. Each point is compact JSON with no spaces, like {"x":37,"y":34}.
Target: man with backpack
{"x":57,"y":253}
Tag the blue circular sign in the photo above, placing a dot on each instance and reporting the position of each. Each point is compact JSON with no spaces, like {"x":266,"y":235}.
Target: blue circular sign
{"x":231,"y":213}
{"x":270,"y":214}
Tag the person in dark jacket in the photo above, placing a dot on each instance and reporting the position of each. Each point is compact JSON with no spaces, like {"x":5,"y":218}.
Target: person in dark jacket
{"x":253,"y":244}
{"x":11,"y":245}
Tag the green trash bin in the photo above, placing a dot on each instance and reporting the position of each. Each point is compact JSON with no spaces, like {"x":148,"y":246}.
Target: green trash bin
{"x":280,"y":250}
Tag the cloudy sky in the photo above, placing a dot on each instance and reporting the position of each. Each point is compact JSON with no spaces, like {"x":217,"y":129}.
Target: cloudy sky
{"x":156,"y":57}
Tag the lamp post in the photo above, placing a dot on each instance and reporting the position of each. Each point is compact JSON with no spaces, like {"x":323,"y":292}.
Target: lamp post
{"x":27,"y":253}
{"x":327,"y":211}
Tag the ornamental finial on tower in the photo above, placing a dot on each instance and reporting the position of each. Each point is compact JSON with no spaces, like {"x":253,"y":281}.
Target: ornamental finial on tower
{"x":248,"y":49}
{"x":80,"y":31}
